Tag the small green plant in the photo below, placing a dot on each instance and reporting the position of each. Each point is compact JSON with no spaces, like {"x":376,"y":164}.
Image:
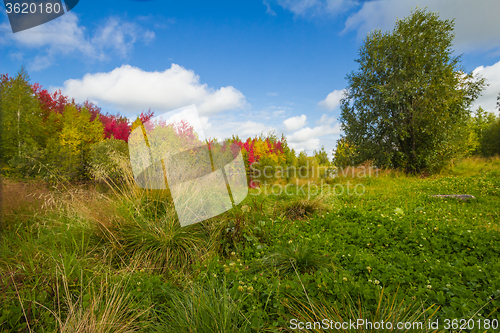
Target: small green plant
{"x":300,"y":209}
{"x":293,"y":256}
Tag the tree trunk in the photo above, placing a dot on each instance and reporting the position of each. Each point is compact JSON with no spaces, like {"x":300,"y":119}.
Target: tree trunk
{"x":18,"y":125}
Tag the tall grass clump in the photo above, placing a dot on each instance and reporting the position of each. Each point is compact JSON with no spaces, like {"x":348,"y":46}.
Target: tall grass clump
{"x":473,"y":165}
{"x":145,"y":230}
{"x":102,"y":307}
{"x":204,"y":308}
{"x":389,"y":310}
{"x":161,"y":245}
{"x":299,"y":209}
{"x":293,"y":257}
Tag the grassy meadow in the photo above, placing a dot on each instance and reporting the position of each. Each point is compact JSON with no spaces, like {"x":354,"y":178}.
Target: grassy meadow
{"x":104,"y":258}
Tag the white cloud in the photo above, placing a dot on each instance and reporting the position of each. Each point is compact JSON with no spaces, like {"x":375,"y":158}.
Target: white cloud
{"x":250,"y":128}
{"x":325,"y":120}
{"x":332,"y":101}
{"x":306,"y":146}
{"x":308,"y":138}
{"x":476,"y":24}
{"x":278,"y":113}
{"x":229,"y":125}
{"x":295,"y":123}
{"x":121,"y":35}
{"x":299,"y":7}
{"x":62,"y":35}
{"x":65,"y":37}
{"x":130,"y":89}
{"x":316,"y":7}
{"x":269,"y":10}
{"x":488,"y":99}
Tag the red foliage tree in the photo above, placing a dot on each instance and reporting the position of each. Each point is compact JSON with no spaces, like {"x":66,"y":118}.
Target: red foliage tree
{"x":55,"y":102}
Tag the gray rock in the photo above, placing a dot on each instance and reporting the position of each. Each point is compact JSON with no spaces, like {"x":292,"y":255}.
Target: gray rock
{"x":464,"y":197}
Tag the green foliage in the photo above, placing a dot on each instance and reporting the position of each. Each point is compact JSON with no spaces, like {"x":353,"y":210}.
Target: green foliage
{"x":345,"y":154}
{"x":294,"y":257}
{"x":68,"y":147}
{"x":291,"y":157}
{"x":322,"y":156}
{"x":490,"y":140}
{"x":23,"y":133}
{"x":104,"y":158}
{"x":408,"y":105}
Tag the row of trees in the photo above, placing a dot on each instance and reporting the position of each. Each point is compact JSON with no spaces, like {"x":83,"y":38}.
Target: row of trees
{"x":409,"y":104}
{"x":46,"y":134}
{"x":49,"y":135}
{"x":408,"y":107}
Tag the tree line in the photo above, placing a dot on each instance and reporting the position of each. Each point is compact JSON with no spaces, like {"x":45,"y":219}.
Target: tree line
{"x":49,"y":136}
{"x":408,"y":106}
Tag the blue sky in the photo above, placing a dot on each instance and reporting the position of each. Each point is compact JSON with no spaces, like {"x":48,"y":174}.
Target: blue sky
{"x":248,"y":66}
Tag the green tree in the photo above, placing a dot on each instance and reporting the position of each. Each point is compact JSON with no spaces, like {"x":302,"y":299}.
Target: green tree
{"x":490,"y":142}
{"x":23,"y":133}
{"x":322,"y":156}
{"x":480,"y":122}
{"x":68,"y":148}
{"x":408,"y":105}
{"x":104,"y":158}
{"x":345,"y":154}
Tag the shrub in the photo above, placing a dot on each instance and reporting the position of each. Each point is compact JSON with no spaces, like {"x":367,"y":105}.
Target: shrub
{"x":299,"y":209}
{"x":103,"y":158}
{"x":294,"y":257}
{"x":204,"y":308}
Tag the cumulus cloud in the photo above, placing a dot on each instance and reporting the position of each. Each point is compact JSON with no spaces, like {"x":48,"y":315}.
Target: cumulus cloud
{"x":246,"y":129}
{"x":308,"y":138}
{"x":332,"y":100}
{"x":476,"y":24}
{"x":488,"y":99}
{"x":130,"y":89}
{"x":64,"y":36}
{"x":325,"y":120}
{"x":295,"y":123}
{"x":224,"y":125}
{"x":307,"y":146}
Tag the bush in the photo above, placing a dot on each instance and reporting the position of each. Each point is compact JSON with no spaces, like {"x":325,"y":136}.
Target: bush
{"x":490,"y":144}
{"x":103,"y":158}
{"x":301,"y":208}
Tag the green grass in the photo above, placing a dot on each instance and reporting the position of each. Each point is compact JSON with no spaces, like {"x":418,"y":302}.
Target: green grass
{"x":274,"y":258}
